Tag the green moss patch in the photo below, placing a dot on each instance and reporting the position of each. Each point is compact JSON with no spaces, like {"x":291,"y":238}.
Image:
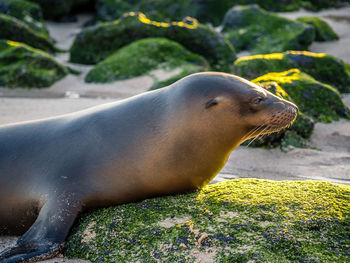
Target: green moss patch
{"x":96,"y":43}
{"x":321,"y":66}
{"x":143,"y":56}
{"x":323,"y":31}
{"x":13,"y":29}
{"x":258,"y":31}
{"x":314,"y":98}
{"x":205,"y":11}
{"x":28,"y":12}
{"x":241,"y":220}
{"x":108,"y":10}
{"x":26,"y":67}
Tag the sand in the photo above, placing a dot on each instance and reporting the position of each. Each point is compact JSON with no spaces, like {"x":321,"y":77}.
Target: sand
{"x":330,"y":162}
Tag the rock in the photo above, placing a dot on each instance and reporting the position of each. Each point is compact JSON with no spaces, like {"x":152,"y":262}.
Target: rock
{"x":323,"y":31}
{"x":205,"y":11}
{"x":96,"y":43}
{"x":238,"y":220}
{"x":320,"y":101}
{"x":28,"y":12}
{"x":109,"y":10}
{"x":296,"y":135}
{"x":26,"y":67}
{"x":142,"y":56}
{"x":56,"y":9}
{"x":322,"y":67}
{"x":258,"y":31}
{"x":16,"y":30}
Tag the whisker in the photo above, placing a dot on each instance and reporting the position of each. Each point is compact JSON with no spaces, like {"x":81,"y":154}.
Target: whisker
{"x":251,"y":132}
{"x":267,"y":127}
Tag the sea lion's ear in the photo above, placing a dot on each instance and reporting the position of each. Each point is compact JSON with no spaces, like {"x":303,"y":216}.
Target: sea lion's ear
{"x":212,"y":102}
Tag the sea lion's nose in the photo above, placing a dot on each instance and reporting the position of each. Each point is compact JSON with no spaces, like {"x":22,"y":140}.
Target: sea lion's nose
{"x":293,"y":109}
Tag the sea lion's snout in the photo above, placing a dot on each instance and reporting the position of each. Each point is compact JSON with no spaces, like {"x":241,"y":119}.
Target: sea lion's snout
{"x":283,"y":118}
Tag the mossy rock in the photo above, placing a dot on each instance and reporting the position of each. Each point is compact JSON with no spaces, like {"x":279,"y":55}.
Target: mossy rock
{"x":296,"y":135}
{"x":28,"y":12}
{"x":96,"y":43}
{"x":109,"y":10}
{"x":321,"y":66}
{"x":316,"y":99}
{"x":240,"y":220}
{"x":258,"y":31}
{"x":211,"y":11}
{"x":56,"y":9}
{"x":26,"y":67}
{"x":16,"y":30}
{"x":144,"y":55}
{"x":323,"y":31}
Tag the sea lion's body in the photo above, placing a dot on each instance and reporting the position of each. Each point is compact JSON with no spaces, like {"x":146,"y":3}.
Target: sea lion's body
{"x":167,"y":141}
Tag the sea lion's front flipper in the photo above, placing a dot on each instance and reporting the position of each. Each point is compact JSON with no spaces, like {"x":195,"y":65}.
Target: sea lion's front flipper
{"x":45,"y":237}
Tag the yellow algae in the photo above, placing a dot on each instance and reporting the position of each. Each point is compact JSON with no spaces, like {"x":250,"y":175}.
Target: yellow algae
{"x":13,"y":43}
{"x":188,"y":22}
{"x":281,"y":77}
{"x":260,"y":56}
{"x":306,"y":53}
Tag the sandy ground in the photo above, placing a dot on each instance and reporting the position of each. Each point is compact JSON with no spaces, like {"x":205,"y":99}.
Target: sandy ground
{"x":331,"y":162}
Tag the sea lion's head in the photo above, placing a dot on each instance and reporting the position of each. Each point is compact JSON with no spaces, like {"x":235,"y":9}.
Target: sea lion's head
{"x":235,"y":107}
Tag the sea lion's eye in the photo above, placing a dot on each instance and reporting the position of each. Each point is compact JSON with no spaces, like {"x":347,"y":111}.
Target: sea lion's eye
{"x":212,"y":102}
{"x":257,"y":100}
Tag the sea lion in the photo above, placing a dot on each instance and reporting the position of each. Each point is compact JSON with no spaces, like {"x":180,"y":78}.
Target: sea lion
{"x":166,"y":141}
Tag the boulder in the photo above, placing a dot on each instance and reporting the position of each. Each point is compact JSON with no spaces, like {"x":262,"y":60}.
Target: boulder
{"x":144,"y":55}
{"x":258,"y":31}
{"x":96,"y":43}
{"x":109,"y":10}
{"x":323,"y":31}
{"x":240,"y":220}
{"x":211,"y":11}
{"x":28,"y":12}
{"x":26,"y":67}
{"x":318,"y":100}
{"x":16,"y":30}
{"x":320,"y":66}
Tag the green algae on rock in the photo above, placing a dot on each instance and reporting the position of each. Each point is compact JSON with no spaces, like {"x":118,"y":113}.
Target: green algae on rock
{"x":315,"y":99}
{"x":258,"y":31}
{"x":322,"y":67}
{"x":323,"y":31}
{"x":142,"y":56}
{"x":237,"y":220}
{"x":109,"y":10}
{"x":205,"y":11}
{"x":28,"y":12}
{"x":96,"y":43}
{"x":16,"y":30}
{"x":26,"y":67}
